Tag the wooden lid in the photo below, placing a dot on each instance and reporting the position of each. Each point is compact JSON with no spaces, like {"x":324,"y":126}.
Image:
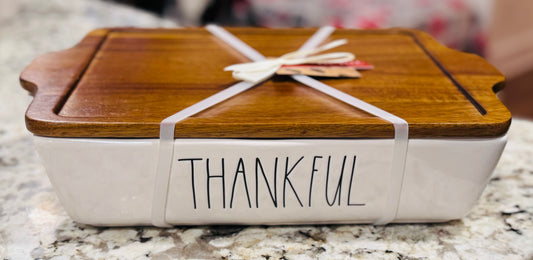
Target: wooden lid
{"x":122,"y":82}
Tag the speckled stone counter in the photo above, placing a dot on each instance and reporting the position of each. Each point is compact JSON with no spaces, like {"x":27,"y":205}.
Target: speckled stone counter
{"x":34,"y":225}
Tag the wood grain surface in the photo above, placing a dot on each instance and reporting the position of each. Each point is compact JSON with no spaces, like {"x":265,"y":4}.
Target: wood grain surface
{"x":122,"y":82}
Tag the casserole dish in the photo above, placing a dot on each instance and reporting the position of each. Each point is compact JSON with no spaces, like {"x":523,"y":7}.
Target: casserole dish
{"x":278,"y":153}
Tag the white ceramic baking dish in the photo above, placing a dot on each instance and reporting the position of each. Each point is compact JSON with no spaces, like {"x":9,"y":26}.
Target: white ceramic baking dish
{"x":111,"y":182}
{"x":278,"y":153}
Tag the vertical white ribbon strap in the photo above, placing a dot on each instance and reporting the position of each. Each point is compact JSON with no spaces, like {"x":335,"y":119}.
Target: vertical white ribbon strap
{"x":167,"y":126}
{"x":401,"y":139}
{"x":166,"y":148}
{"x":401,"y":127}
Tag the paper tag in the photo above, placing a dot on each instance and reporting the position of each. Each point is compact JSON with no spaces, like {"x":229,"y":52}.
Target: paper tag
{"x":345,"y":69}
{"x":320,"y":71}
{"x":356,"y":64}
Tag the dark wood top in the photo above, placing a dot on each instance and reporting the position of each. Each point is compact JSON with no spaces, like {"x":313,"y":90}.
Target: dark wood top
{"x":122,"y":82}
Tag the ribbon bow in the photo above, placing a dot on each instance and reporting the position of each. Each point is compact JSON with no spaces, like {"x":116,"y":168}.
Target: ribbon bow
{"x":258,"y":71}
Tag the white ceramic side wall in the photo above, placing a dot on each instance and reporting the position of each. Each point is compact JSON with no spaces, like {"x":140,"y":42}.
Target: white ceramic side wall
{"x":110,"y":181}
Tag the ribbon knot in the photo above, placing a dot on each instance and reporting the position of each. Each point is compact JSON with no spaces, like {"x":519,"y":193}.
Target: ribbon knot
{"x":258,"y":71}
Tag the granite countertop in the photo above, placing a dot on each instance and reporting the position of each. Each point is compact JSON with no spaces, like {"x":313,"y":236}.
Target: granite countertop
{"x":34,"y":225}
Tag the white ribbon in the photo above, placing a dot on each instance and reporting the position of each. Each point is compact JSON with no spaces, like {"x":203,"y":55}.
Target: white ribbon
{"x":261,"y":70}
{"x":167,"y":126}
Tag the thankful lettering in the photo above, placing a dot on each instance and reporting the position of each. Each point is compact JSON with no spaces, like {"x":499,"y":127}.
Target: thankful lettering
{"x":281,"y":179}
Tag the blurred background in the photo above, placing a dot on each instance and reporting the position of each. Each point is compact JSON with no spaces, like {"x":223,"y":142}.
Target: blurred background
{"x":500,"y":31}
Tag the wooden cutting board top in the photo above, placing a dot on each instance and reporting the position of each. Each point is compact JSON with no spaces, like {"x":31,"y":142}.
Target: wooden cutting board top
{"x":122,"y":82}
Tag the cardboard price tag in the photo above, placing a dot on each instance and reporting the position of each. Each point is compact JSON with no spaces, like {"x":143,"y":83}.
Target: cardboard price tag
{"x":319,"y":71}
{"x":334,"y":70}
